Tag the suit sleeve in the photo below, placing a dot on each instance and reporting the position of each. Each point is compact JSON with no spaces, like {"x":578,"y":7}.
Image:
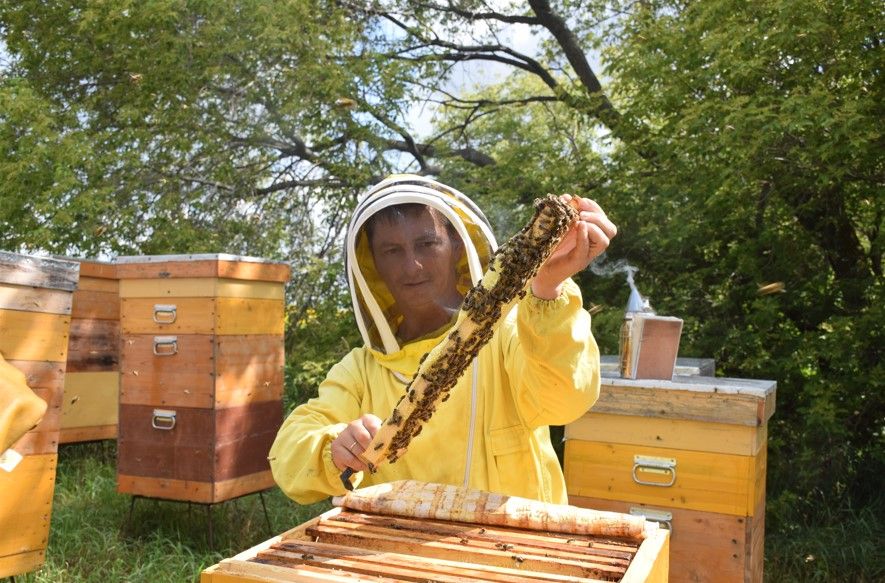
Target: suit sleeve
{"x":300,"y":457}
{"x":552,"y":359}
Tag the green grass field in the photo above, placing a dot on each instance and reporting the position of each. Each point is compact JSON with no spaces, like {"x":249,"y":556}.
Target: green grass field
{"x":167,"y":541}
{"x":90,"y":541}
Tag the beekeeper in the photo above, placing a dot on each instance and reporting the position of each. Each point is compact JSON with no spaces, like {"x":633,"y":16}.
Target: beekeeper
{"x":414,"y":247}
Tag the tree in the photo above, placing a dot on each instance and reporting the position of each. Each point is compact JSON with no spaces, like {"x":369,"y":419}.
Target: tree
{"x":736,"y":144}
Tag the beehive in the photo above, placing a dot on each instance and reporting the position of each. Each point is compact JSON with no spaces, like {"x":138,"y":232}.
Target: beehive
{"x":35,"y":319}
{"x":350,"y":545}
{"x":92,"y":382}
{"x":691,"y":453}
{"x":201,"y":375}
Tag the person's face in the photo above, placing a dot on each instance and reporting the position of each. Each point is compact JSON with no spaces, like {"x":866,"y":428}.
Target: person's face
{"x":416,"y":257}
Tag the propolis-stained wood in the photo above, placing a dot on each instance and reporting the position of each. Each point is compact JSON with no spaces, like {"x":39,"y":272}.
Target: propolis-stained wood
{"x":35,"y":316}
{"x":344,"y":545}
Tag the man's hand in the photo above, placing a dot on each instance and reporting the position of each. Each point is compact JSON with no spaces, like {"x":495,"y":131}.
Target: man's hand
{"x":354,"y":440}
{"x":584,"y":242}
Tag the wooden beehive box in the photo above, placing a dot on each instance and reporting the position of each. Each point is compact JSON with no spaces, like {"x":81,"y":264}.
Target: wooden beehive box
{"x":346,"y":545}
{"x":201,"y":375}
{"x":92,"y":382}
{"x":691,"y":453}
{"x":35,"y":319}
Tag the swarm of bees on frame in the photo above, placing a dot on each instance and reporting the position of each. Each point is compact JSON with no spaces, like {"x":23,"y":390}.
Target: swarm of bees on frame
{"x":516,"y":262}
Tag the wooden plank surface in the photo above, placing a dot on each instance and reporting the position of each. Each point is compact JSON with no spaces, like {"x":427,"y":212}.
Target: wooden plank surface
{"x":38,"y":271}
{"x":204,"y":445}
{"x":652,"y":562}
{"x":184,"y":376}
{"x":740,"y":409}
{"x":192,"y":316}
{"x":182,"y":267}
{"x":19,"y":563}
{"x":93,"y":433}
{"x":27,"y":503}
{"x":97,"y":305}
{"x":34,"y":299}
{"x":704,"y":546}
{"x":200,"y":287}
{"x":249,"y":368}
{"x":43,"y":439}
{"x":466,"y":550}
{"x":94,"y":346}
{"x":390,"y":540}
{"x":96,"y":284}
{"x":41,"y":374}
{"x":34,"y":336}
{"x":250,"y":316}
{"x":97,"y":270}
{"x":283,"y":558}
{"x":711,"y":482}
{"x":46,"y":379}
{"x":90,"y":399}
{"x":666,"y":432}
{"x":194,"y":491}
{"x":203,"y":316}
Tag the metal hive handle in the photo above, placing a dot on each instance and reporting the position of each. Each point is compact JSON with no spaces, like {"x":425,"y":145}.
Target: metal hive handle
{"x":165,"y":313}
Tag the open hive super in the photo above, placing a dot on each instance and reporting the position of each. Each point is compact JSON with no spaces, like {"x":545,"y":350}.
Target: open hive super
{"x":346,"y":544}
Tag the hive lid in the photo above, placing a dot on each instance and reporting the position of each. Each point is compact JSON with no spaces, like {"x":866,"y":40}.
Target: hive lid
{"x":92,"y":267}
{"x":45,"y":272}
{"x":202,"y":265}
{"x":713,"y":399}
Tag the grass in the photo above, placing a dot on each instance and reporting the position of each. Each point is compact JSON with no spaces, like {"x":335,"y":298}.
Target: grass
{"x":167,"y":541}
{"x":89,"y":540}
{"x":837,"y":544}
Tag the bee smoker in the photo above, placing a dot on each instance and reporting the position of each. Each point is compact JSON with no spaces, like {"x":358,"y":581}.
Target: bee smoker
{"x":635,"y":303}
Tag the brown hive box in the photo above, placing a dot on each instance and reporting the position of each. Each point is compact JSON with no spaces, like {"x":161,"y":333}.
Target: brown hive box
{"x":395,"y":544}
{"x":92,"y":382}
{"x":201,"y":375}
{"x":35,"y":319}
{"x":690,"y":453}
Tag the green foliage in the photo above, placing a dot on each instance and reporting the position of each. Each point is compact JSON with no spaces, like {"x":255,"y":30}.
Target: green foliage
{"x":164,"y":127}
{"x":761,"y":166}
{"x":319,"y":333}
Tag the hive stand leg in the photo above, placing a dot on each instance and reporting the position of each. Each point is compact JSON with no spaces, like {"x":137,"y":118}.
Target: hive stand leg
{"x":266,"y":515}
{"x":125,"y":528}
{"x":211,"y":534}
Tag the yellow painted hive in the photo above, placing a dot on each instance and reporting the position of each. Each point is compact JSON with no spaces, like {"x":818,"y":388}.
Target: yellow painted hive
{"x":690,"y":453}
{"x":35,"y":319}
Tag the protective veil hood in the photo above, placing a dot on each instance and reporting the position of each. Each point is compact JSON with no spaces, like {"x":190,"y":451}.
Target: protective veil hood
{"x":374,"y":307}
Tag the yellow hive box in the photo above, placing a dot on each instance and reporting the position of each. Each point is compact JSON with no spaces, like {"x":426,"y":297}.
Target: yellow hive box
{"x":690,"y":453}
{"x":35,"y":317}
